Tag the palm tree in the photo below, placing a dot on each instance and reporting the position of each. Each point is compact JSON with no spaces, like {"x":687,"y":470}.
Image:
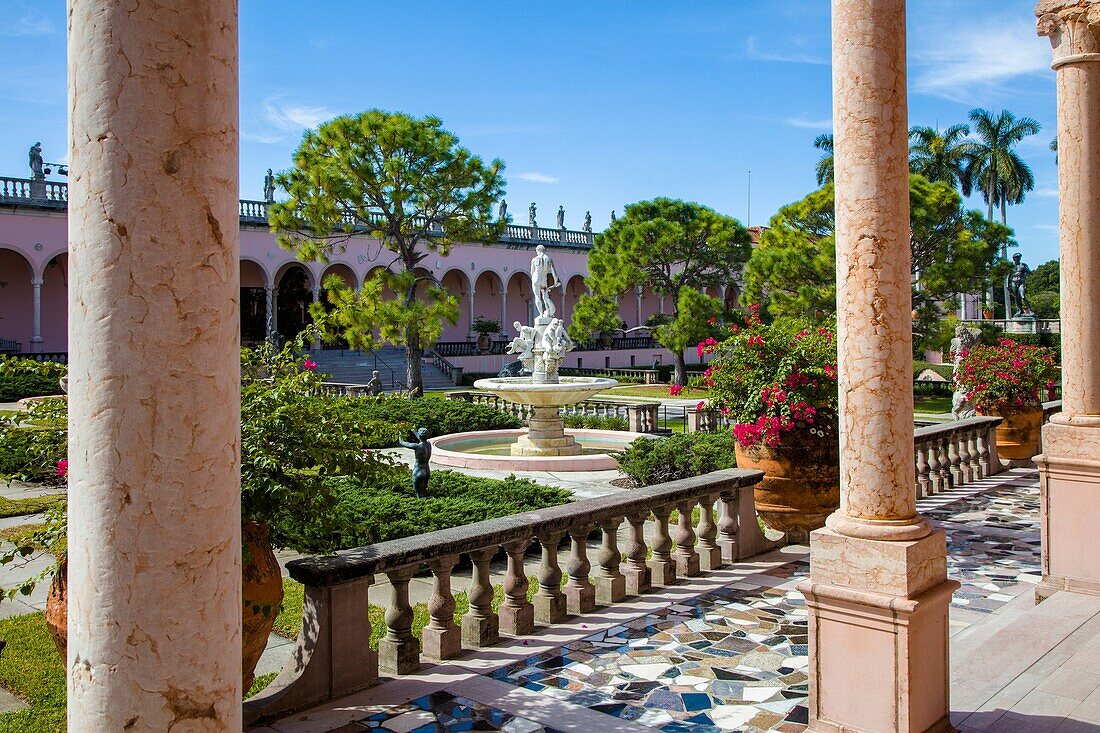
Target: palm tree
{"x":939,"y":157}
{"x":994,"y":166}
{"x":1054,"y":149}
{"x":824,"y":143}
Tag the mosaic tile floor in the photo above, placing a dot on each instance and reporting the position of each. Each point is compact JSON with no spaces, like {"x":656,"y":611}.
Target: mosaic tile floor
{"x":734,"y":659}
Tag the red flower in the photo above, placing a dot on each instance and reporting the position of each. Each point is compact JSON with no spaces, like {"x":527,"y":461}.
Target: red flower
{"x":309,"y":365}
{"x":675,"y":389}
{"x":701,"y":405}
{"x":63,"y":467}
{"x":712,"y":321}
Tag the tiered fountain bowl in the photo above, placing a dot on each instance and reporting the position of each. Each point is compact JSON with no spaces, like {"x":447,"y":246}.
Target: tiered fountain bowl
{"x":545,"y":445}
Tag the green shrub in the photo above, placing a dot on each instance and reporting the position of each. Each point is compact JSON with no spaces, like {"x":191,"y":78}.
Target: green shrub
{"x":370,"y":513}
{"x":652,"y":461}
{"x":21,"y":378}
{"x":389,"y":418}
{"x":33,"y":441}
{"x":596,"y":422}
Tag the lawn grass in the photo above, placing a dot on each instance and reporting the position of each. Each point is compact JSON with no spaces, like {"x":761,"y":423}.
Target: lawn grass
{"x":657,"y":391}
{"x":931,"y":404}
{"x":23,"y":507}
{"x":31,"y":669}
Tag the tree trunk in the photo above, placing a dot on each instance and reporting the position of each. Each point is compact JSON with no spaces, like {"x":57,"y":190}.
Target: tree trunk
{"x":679,"y":372}
{"x":413,"y":376}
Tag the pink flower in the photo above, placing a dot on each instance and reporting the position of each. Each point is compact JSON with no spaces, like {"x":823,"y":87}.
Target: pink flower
{"x":309,"y":365}
{"x":675,"y":389}
{"x":702,"y":403}
{"x":712,"y":321}
{"x":63,"y":467}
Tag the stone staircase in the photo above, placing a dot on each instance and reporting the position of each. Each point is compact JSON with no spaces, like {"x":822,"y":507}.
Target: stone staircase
{"x":355,"y":367}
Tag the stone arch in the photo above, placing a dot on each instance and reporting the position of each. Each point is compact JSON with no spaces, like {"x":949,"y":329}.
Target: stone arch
{"x":456,"y":283}
{"x":732,"y":297}
{"x":489,"y":298}
{"x":518,"y":301}
{"x":293,"y":294}
{"x":574,"y":288}
{"x":55,"y":303}
{"x":253,"y":301}
{"x":344,"y":271}
{"x":16,"y":297}
{"x":651,"y":304}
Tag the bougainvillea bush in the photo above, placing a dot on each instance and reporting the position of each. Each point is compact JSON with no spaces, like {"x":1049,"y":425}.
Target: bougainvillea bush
{"x":1006,"y":377}
{"x":770,"y":380}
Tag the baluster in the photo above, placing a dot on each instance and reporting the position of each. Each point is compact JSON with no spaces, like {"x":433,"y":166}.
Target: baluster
{"x":953,"y":459}
{"x":923,"y":483}
{"x":934,"y":476}
{"x":945,"y":463}
{"x":610,"y":581}
{"x":480,"y":626}
{"x":983,"y":452}
{"x":727,"y":525}
{"x":580,"y":594}
{"x":687,"y":559}
{"x":549,"y":601}
{"x":710,"y":554}
{"x":975,"y":459}
{"x":662,"y":566}
{"x":517,"y":615}
{"x":398,"y":650}
{"x":442,"y":639}
{"x":639,"y":578}
{"x":964,"y":457}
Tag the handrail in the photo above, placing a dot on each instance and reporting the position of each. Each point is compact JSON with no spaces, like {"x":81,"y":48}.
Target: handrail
{"x":332,"y":658}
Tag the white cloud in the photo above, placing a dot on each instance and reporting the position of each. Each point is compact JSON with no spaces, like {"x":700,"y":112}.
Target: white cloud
{"x":789,"y":56}
{"x":1046,"y":192}
{"x":294,"y":117}
{"x":534,"y":177}
{"x":958,"y":64}
{"x":28,"y":25}
{"x":805,"y":124}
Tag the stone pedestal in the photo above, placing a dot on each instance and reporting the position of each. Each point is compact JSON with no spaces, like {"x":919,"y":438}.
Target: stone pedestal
{"x":878,"y":630}
{"x":546,"y":436}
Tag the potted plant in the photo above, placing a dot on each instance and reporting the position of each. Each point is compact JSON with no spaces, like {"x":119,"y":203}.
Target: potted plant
{"x":1008,"y":380}
{"x":485,"y":329}
{"x":777,"y":385}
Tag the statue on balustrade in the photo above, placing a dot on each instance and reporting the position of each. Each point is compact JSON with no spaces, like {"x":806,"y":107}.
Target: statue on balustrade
{"x":542,"y":269}
{"x":588,"y":221}
{"x":966,"y":338}
{"x":531,"y":215}
{"x":502,"y":210}
{"x":1017,"y":288}
{"x":422,"y":456}
{"x":34,"y":156}
{"x":269,"y":187}
{"x":374,"y":385}
{"x":561,"y":217}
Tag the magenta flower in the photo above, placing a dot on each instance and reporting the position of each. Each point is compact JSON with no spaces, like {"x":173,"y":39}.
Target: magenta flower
{"x":63,"y":467}
{"x":309,"y":365}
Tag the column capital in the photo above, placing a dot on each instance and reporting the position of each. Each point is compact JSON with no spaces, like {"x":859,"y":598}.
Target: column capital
{"x":1073,"y":27}
{"x":37,"y":282}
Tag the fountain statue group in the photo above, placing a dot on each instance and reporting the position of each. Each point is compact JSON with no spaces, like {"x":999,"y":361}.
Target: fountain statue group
{"x":543,"y":346}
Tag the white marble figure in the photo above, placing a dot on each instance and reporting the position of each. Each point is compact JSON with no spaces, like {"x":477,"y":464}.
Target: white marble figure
{"x":542,"y":268}
{"x":965,"y":339}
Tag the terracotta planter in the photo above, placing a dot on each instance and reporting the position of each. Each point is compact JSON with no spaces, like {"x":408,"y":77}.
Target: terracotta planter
{"x":484,"y":343}
{"x":262,"y":588}
{"x":1018,"y":434}
{"x":801,"y":485}
{"x":262,"y":592}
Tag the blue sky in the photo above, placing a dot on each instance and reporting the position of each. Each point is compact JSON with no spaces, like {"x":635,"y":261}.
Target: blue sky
{"x":591,"y":104}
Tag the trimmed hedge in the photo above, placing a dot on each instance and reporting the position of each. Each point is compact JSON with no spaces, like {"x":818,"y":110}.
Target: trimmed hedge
{"x":596,"y":422}
{"x":21,"y":378}
{"x":652,"y":461}
{"x":390,"y":418}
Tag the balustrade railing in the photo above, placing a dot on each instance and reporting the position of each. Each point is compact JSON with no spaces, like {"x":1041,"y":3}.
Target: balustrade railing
{"x":10,"y":347}
{"x":955,"y":453}
{"x":641,"y":417}
{"x":452,"y":371}
{"x":332,"y":657}
{"x":470,"y":348}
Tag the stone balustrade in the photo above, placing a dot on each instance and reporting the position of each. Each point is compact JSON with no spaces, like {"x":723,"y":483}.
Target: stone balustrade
{"x":955,"y":453}
{"x":641,"y":417}
{"x":332,"y":656}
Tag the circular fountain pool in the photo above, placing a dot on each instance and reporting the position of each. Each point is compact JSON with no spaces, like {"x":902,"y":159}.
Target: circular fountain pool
{"x":492,"y":449}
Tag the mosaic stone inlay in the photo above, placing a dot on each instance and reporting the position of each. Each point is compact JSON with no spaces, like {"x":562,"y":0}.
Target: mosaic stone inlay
{"x":990,"y":566}
{"x":441,"y":712}
{"x":1011,"y":507}
{"x":733,"y":659}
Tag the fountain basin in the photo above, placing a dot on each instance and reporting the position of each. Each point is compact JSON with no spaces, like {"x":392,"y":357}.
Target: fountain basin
{"x":566,"y":391}
{"x":492,"y":449}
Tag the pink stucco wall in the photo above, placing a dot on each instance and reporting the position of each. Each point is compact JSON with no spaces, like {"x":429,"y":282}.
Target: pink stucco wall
{"x":625,"y":358}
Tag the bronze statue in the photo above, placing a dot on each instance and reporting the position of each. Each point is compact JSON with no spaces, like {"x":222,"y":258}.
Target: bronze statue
{"x":1017,"y":287}
{"x":422,"y":456}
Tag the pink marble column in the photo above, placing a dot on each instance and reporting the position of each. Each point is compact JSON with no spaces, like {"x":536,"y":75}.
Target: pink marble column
{"x":877,"y":595}
{"x":1070,"y":464}
{"x":154,"y":449}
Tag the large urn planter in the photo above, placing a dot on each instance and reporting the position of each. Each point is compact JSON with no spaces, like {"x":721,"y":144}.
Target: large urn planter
{"x":262,"y":592}
{"x":484,"y":343}
{"x":801,"y":485}
{"x":1018,"y":434}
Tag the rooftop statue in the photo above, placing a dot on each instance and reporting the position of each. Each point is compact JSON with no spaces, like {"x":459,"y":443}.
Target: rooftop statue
{"x":531,"y":215}
{"x":561,"y":217}
{"x":588,"y":221}
{"x":502,"y":210}
{"x":34,"y":156}
{"x":269,"y":187}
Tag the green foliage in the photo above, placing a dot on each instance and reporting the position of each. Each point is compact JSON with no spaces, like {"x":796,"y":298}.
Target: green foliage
{"x":294,"y":440}
{"x":33,"y":441}
{"x":657,"y":460}
{"x":485,"y":326}
{"x":21,"y":378}
{"x":1044,"y":290}
{"x":596,"y":422}
{"x":940,"y":157}
{"x":384,"y":510}
{"x":407,"y":182}
{"x":1007,"y":376}
{"x":793,"y":271}
{"x":994,"y":167}
{"x":388,"y":418}
{"x":824,"y":169}
{"x":673,"y":247}
{"x":33,"y":671}
{"x":944,"y":370}
{"x":1046,"y":304}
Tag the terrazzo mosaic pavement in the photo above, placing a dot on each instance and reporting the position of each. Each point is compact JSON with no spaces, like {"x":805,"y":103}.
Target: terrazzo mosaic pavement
{"x":441,"y":712}
{"x":1010,"y":507}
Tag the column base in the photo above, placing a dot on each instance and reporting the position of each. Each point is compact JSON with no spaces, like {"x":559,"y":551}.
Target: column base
{"x":531,"y":445}
{"x":878,"y":634}
{"x":1069,"y":485}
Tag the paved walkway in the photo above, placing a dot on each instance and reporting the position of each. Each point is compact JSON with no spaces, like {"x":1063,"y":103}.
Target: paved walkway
{"x":728,"y":651}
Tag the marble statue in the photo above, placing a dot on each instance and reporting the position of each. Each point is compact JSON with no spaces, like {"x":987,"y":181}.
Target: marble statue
{"x":269,"y":187}
{"x":1017,"y":288}
{"x":34,"y":156}
{"x":542,"y":268}
{"x":588,"y":221}
{"x":531,"y":211}
{"x":502,"y":210}
{"x":422,"y":456}
{"x":561,"y":217}
{"x":524,"y":344}
{"x":965,"y":339}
